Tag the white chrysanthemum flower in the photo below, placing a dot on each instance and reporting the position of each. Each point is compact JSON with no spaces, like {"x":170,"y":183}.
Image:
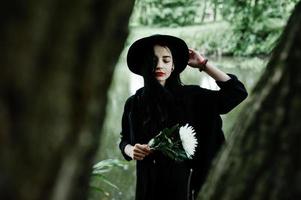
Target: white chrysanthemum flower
{"x":151,"y":142}
{"x":189,"y":141}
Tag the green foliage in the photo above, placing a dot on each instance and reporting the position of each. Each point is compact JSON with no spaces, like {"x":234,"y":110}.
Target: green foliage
{"x":256,"y":24}
{"x":214,"y":39}
{"x":168,"y":13}
{"x":99,"y":171}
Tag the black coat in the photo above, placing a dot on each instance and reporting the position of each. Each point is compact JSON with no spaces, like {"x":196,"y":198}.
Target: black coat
{"x":159,"y":177}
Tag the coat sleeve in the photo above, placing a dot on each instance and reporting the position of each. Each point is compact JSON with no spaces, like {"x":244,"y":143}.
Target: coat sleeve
{"x":125,"y":134}
{"x":232,"y":92}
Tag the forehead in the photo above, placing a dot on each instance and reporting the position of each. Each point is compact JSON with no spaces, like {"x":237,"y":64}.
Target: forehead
{"x":162,"y":50}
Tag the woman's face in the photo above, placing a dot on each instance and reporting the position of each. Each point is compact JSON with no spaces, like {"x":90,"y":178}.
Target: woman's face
{"x":163,"y":63}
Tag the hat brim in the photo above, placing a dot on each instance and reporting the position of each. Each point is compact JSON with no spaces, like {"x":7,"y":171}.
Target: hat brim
{"x":140,"y":47}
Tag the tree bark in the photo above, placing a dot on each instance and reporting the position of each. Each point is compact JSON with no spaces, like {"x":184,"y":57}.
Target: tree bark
{"x":57,"y":59}
{"x":262,"y":159}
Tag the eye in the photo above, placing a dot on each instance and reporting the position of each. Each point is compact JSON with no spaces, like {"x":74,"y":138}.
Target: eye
{"x":166,"y":61}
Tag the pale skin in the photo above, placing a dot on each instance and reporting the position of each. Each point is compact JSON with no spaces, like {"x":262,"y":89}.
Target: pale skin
{"x":163,"y":71}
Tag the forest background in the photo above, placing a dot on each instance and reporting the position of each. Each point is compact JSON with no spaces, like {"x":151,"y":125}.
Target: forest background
{"x":237,"y":36}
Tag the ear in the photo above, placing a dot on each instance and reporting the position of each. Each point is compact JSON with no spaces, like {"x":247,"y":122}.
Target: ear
{"x":173,"y":67}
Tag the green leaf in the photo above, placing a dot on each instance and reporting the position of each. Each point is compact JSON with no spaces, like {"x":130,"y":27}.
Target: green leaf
{"x":98,"y":189}
{"x":105,"y":180}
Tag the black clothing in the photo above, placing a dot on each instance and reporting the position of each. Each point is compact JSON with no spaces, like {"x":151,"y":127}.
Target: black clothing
{"x":159,"y":177}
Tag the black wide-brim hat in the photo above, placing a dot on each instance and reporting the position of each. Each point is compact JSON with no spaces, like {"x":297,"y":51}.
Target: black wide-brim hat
{"x":139,"y":48}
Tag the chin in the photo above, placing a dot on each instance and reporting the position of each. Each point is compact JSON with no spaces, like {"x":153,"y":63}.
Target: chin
{"x":160,"y":79}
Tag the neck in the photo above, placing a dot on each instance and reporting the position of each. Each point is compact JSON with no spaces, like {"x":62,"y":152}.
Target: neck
{"x":162,"y":83}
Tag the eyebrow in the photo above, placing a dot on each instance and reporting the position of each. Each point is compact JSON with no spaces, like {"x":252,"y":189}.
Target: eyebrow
{"x":166,"y":56}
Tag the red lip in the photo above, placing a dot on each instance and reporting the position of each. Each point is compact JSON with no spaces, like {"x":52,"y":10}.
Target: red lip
{"x":159,"y":73}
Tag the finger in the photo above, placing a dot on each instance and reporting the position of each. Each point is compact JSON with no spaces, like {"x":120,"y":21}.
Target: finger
{"x":138,"y":156}
{"x":147,"y":151}
{"x":143,"y":148}
{"x":148,"y":147}
{"x":192,"y":55}
{"x":141,"y":145}
{"x":138,"y":151}
{"x":138,"y":145}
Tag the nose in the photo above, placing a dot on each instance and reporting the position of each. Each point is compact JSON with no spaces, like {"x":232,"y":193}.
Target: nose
{"x":159,"y":65}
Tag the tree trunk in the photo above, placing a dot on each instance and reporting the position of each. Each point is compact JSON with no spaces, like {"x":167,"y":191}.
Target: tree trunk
{"x":215,"y":2}
{"x":57,"y":59}
{"x":262,"y":159}
{"x":204,"y":11}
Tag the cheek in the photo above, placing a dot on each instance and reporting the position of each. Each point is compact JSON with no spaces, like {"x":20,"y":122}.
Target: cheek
{"x":169,"y":70}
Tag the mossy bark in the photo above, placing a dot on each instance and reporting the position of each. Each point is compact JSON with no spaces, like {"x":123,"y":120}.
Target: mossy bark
{"x":57,"y":59}
{"x":262,"y":159}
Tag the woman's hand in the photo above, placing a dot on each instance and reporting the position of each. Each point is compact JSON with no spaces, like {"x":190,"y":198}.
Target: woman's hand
{"x":195,"y":59}
{"x":138,"y":151}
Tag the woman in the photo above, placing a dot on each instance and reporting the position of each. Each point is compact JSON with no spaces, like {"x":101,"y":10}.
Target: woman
{"x":163,"y":102}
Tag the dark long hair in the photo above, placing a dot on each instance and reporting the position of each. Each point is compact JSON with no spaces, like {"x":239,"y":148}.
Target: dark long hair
{"x":158,"y":105}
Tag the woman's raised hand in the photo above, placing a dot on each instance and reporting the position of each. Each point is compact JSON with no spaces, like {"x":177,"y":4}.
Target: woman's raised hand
{"x":195,"y":58}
